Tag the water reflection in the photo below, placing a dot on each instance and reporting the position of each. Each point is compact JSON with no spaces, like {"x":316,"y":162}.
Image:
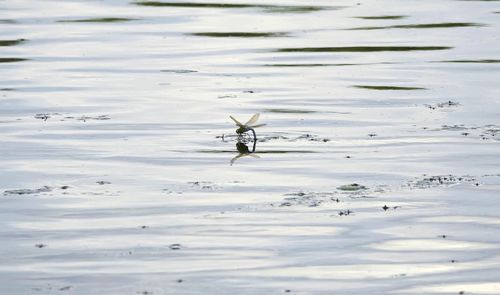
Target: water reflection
{"x":422,"y":26}
{"x":244,"y":140}
{"x":11,"y":59}
{"x":11,"y":42}
{"x":98,"y":20}
{"x":362,"y":48}
{"x":241,"y":34}
{"x":264,"y":7}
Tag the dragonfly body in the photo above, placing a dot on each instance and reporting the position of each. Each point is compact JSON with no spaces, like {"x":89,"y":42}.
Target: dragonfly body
{"x":248,"y":126}
{"x":243,"y":129}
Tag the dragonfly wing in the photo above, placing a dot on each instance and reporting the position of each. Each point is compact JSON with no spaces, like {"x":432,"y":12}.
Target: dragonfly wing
{"x":236,"y":158}
{"x":236,"y":121}
{"x":257,"y":126}
{"x":253,"y":120}
{"x":254,"y":156}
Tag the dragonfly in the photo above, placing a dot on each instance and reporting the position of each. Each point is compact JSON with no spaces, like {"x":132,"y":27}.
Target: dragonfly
{"x":243,"y":151}
{"x":248,"y":126}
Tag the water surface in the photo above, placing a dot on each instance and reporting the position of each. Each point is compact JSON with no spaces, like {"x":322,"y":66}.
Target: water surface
{"x":377,"y":172}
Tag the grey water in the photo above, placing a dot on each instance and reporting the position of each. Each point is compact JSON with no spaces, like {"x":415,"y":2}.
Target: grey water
{"x":378,"y":170}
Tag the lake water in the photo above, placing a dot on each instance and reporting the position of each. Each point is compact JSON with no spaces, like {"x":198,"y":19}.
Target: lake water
{"x":378,"y":171}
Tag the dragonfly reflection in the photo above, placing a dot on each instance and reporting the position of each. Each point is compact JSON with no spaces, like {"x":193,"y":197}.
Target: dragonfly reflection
{"x":244,"y":151}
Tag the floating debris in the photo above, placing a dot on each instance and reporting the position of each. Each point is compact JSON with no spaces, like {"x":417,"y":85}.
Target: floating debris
{"x":64,"y":117}
{"x":44,"y":189}
{"x":41,"y":116}
{"x":87,"y":118}
{"x":385,"y":207}
{"x":175,"y":246}
{"x":441,"y":105}
{"x":485,"y":132}
{"x":352,"y":187}
{"x":345,"y":212}
{"x":102,"y":182}
{"x":440,"y":180}
{"x":306,"y":137}
{"x":310,"y":199}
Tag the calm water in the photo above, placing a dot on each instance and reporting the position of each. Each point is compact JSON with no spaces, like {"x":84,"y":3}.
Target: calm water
{"x":378,"y":171}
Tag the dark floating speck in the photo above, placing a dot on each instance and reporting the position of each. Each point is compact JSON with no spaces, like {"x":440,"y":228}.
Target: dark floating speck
{"x":175,"y":246}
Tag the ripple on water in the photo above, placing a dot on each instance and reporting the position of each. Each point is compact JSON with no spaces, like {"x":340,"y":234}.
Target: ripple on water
{"x":264,"y":7}
{"x":13,"y":42}
{"x":362,"y":48}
